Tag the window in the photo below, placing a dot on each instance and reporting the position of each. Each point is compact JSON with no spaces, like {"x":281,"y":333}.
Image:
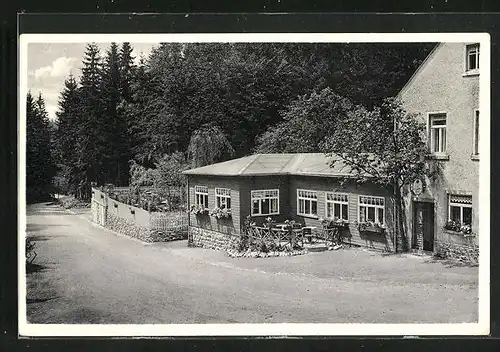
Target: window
{"x":307,"y":202}
{"x":371,"y":209}
{"x":460,"y":209}
{"x":223,"y":198}
{"x":265,"y":202}
{"x":337,"y":206}
{"x":472,"y":57}
{"x":437,"y":133}
{"x":201,"y":196}
{"x":476,"y":132}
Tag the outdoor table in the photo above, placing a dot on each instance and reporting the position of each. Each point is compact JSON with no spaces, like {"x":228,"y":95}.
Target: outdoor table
{"x":307,"y":232}
{"x":296,"y":229}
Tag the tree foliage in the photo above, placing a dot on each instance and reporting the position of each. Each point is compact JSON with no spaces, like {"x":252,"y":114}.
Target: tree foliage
{"x":306,"y":123}
{"x":207,"y":102}
{"x":209,"y":145}
{"x":385,"y":145}
{"x":40,"y":167}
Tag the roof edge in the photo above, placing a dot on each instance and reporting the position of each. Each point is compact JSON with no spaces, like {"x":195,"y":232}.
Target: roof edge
{"x":418,"y":70}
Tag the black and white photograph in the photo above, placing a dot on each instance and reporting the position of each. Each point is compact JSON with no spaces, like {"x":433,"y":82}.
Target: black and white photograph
{"x":254,"y":184}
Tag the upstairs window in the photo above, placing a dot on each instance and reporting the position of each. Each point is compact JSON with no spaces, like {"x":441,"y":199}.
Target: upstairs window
{"x":265,"y":202}
{"x":201,"y":196}
{"x":472,"y":57}
{"x":476,"y":133}
{"x":337,"y":206}
{"x":371,"y":209}
{"x":223,"y":198}
{"x":460,"y":209}
{"x":307,"y":202}
{"x":437,"y":133}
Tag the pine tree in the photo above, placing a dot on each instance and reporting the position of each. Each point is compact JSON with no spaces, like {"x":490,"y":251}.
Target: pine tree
{"x":39,"y":163}
{"x":127,"y":67}
{"x":66,"y":135}
{"x":91,"y":142}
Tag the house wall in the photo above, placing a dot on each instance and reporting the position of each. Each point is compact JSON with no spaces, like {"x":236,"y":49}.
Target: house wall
{"x":241,"y":188}
{"x":250,"y":183}
{"x":442,"y":86}
{"x":351,"y":235}
{"x":230,"y":225}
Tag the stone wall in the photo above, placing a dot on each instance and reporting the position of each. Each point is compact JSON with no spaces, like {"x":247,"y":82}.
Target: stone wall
{"x":128,"y":228}
{"x":458,"y":252}
{"x":199,"y":237}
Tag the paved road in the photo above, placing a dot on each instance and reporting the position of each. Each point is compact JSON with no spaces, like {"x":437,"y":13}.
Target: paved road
{"x":88,"y":274}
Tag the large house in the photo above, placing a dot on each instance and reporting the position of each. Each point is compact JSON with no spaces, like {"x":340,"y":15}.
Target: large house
{"x":444,"y":92}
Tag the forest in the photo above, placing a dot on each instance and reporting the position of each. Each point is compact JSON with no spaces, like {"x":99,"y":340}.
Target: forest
{"x":192,"y":104}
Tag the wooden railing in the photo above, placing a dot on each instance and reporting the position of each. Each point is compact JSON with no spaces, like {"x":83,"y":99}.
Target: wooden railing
{"x":274,"y":237}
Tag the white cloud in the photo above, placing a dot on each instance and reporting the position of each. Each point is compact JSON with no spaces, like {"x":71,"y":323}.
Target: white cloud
{"x":60,"y":67}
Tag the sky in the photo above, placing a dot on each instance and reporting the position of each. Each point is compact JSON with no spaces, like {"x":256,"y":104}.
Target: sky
{"x":50,"y":64}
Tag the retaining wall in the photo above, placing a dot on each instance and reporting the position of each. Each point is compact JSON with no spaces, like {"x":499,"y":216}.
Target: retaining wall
{"x":458,"y":252}
{"x":136,"y":222}
{"x":200,"y":237}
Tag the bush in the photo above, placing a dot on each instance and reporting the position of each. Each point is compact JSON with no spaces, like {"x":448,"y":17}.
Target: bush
{"x":30,"y":251}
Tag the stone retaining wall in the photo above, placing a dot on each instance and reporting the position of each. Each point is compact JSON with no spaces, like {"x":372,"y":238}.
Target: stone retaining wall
{"x":199,"y":237}
{"x":128,"y":228}
{"x":463,"y":253}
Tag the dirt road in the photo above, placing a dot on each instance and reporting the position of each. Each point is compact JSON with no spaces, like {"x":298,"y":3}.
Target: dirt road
{"x":87,"y":274}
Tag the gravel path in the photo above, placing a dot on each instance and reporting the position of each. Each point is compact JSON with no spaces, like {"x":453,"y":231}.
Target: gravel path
{"x":87,"y":274}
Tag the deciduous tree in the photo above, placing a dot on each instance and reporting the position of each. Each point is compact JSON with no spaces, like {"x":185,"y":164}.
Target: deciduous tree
{"x":386,"y":146}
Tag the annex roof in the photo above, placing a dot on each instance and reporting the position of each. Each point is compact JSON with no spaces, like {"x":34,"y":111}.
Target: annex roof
{"x":307,"y":164}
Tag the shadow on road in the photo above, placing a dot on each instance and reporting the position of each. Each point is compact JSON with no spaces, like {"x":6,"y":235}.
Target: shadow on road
{"x":39,"y":227}
{"x":39,"y":300}
{"x":449,"y":263}
{"x":35,"y":268}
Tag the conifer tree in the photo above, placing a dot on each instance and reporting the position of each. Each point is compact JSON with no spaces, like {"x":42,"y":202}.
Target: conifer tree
{"x":127,"y":66}
{"x":39,"y":163}
{"x":66,"y":135}
{"x":91,"y":143}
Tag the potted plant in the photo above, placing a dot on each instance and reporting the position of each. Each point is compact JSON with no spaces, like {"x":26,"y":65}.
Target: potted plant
{"x":220,"y":213}
{"x":335,"y":222}
{"x":197,"y":209}
{"x":369,"y":226}
{"x":456,"y":226}
{"x":452,"y":226}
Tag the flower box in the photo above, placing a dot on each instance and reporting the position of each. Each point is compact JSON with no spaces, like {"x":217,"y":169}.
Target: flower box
{"x":198,"y":210}
{"x":371,"y":227}
{"x":220,"y":213}
{"x":334,"y":223}
{"x":457,"y":228}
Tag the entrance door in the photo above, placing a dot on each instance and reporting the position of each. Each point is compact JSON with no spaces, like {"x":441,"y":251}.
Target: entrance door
{"x":423,"y":226}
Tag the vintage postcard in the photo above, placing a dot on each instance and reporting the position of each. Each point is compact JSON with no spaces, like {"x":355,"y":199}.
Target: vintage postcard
{"x":312,"y":184}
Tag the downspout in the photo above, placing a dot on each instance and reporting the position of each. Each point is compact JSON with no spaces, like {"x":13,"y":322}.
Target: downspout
{"x":188,"y":198}
{"x":395,"y":224}
{"x":188,"y":211}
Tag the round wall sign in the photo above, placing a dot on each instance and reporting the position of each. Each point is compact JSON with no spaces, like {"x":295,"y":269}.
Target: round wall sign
{"x":417,"y":187}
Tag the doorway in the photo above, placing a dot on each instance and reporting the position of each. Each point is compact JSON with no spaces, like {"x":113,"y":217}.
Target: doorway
{"x":423,"y":226}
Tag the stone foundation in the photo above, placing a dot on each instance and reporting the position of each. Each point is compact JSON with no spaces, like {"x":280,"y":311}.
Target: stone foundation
{"x":462,"y":253}
{"x":128,"y":228}
{"x":199,"y":237}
